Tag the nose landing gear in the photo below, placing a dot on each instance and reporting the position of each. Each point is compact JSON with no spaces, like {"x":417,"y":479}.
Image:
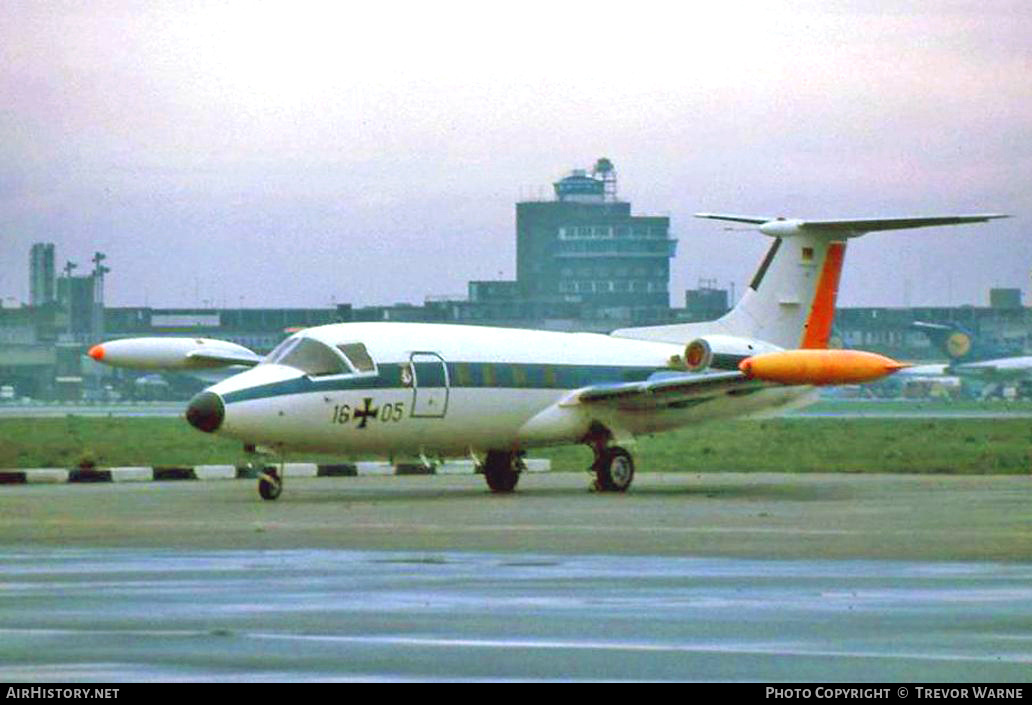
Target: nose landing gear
{"x":270,"y":483}
{"x":270,"y":479}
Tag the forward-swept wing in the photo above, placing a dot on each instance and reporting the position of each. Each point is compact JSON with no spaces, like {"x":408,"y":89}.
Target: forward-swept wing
{"x":664,"y":390}
{"x":781,"y":367}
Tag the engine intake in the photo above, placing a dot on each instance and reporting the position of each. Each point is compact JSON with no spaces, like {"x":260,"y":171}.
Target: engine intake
{"x":722,"y":352}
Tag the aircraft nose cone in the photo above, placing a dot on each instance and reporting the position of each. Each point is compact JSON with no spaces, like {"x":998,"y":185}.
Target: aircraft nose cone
{"x":206,"y":411}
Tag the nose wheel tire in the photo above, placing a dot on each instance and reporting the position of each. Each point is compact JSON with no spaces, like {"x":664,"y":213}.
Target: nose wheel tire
{"x":502,"y":471}
{"x":614,"y":470}
{"x":270,"y":484}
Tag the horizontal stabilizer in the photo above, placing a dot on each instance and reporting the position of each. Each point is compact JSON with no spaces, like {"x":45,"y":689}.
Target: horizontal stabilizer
{"x":867,"y":225}
{"x":932,"y":326}
{"x":753,"y":219}
{"x":849,"y":227}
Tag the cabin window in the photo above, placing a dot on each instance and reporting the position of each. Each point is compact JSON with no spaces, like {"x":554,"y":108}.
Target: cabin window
{"x":487,"y":376}
{"x":358,"y":356}
{"x":463,"y":377}
{"x":313,"y":358}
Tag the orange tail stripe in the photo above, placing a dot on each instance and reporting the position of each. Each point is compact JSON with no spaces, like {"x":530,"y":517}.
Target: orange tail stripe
{"x":818,"y":323}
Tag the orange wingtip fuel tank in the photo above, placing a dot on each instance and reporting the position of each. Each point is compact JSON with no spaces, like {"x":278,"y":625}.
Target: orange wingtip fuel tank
{"x":819,"y":367}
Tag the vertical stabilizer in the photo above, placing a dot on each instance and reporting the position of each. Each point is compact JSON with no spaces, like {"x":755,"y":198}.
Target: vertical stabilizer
{"x":791,"y":300}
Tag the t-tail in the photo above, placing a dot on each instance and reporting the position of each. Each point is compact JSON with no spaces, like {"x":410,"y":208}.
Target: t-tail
{"x":961,"y":345}
{"x":790,"y":301}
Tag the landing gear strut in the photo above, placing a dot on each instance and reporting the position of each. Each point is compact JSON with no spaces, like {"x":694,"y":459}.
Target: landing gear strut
{"x":270,"y":480}
{"x":502,"y":470}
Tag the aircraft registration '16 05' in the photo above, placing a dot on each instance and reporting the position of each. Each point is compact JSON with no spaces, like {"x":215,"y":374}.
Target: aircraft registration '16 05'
{"x":433,"y":391}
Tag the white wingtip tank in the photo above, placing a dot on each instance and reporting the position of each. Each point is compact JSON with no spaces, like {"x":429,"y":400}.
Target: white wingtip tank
{"x":171,"y":353}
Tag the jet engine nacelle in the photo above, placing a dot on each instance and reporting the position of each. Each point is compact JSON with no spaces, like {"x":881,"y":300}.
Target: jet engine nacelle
{"x":723,"y":352}
{"x":172,"y":353}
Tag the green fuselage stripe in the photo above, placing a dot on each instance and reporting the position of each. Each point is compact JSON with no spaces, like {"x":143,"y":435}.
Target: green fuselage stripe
{"x":461,"y":375}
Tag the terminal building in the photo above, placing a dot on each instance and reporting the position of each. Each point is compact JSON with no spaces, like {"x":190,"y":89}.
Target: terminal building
{"x":584,"y":262}
{"x":586,"y":250}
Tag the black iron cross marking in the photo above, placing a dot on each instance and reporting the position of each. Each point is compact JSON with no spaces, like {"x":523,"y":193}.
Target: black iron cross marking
{"x":369,"y":411}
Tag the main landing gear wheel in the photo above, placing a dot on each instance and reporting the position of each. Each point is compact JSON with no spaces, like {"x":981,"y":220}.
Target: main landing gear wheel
{"x":614,"y":470}
{"x":270,"y":484}
{"x":502,"y":471}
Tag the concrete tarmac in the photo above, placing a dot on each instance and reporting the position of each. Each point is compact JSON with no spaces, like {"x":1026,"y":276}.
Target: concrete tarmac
{"x":767,"y":577}
{"x":762,"y":515}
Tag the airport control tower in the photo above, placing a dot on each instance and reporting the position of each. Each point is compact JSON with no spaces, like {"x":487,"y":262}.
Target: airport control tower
{"x":584,"y":247}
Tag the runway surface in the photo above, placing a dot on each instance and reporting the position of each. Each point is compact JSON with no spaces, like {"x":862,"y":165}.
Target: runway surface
{"x":687,"y":577}
{"x":112,"y":615}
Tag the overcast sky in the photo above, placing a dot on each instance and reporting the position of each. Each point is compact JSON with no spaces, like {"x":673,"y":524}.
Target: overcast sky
{"x":300,"y":154}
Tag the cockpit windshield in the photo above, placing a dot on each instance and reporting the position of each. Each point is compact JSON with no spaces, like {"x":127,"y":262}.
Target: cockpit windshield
{"x":310,"y":356}
{"x":277,"y":352}
{"x":318,"y":359}
{"x":358,"y":356}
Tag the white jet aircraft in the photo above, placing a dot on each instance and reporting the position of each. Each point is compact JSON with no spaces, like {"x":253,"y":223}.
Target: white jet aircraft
{"x":434,"y":391}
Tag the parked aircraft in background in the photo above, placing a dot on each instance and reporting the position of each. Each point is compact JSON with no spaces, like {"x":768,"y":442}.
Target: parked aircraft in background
{"x":971,"y":358}
{"x":431,"y":390}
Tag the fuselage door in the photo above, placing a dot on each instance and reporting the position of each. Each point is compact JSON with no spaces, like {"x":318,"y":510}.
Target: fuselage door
{"x":429,"y":385}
